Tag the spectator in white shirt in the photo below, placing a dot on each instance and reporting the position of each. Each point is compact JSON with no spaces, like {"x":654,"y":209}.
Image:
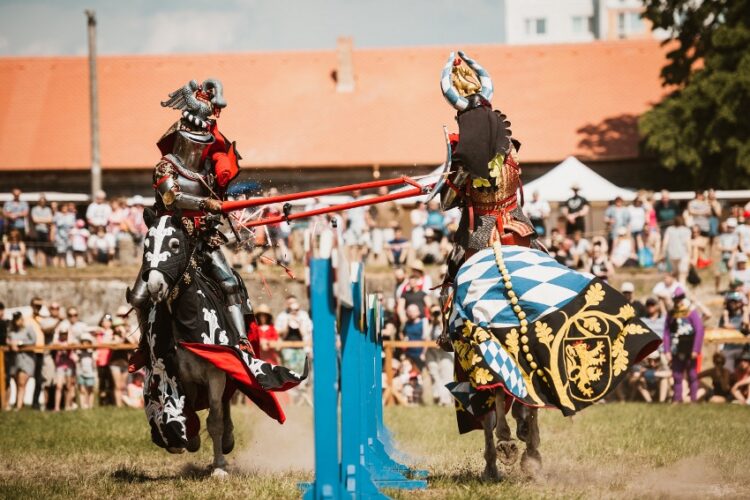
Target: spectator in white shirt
{"x":99,"y":212}
{"x":637,"y":216}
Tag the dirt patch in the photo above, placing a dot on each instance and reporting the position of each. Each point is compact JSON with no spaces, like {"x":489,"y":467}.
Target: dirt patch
{"x":691,"y":477}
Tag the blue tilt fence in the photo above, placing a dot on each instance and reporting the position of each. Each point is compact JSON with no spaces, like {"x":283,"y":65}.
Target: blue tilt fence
{"x":355,"y":462}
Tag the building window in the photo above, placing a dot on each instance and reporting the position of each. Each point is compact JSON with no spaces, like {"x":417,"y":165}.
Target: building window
{"x":541,"y":26}
{"x":636,"y":23}
{"x":577,"y":24}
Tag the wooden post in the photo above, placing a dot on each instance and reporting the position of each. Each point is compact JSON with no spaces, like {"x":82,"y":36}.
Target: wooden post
{"x":96,"y":168}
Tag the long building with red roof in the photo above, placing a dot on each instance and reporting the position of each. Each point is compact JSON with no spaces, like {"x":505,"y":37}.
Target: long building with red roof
{"x":294,"y":122}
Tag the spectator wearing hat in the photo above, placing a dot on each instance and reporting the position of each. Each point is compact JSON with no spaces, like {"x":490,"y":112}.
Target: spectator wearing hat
{"x":21,"y":334}
{"x":676,"y":248}
{"x":425,"y":280}
{"x":264,"y":330}
{"x":575,"y":210}
{"x":99,"y":211}
{"x":397,"y":249}
{"x":432,"y":252}
{"x":683,"y":342}
{"x":628,"y":290}
{"x":729,"y":244}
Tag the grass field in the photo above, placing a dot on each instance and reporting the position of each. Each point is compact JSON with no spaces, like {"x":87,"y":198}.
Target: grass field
{"x":608,"y":451}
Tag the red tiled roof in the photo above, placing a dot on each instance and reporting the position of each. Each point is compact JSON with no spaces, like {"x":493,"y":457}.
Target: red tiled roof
{"x":284,"y":110}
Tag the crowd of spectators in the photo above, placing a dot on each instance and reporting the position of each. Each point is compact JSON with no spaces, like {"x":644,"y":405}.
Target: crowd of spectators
{"x":678,"y":243}
{"x":57,"y":234}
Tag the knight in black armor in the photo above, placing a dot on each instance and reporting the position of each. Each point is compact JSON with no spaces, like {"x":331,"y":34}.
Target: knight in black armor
{"x":190,"y":180}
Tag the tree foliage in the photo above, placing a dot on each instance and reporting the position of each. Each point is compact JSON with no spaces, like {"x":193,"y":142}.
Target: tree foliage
{"x":702,"y":127}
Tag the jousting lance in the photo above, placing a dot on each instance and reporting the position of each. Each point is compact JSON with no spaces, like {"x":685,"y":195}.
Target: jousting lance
{"x":415,"y":190}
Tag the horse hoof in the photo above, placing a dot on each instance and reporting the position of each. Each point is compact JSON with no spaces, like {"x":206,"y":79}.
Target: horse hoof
{"x":531,"y":465}
{"x":507,"y":452}
{"x":194,"y":443}
{"x":219,"y":473}
{"x":227,"y":444}
{"x":175,"y":451}
{"x":491,"y":474}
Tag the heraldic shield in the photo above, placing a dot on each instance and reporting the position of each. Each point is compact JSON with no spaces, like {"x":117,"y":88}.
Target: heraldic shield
{"x":547,"y":335}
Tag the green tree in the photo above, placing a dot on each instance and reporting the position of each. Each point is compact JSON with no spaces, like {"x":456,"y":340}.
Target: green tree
{"x":702,"y":127}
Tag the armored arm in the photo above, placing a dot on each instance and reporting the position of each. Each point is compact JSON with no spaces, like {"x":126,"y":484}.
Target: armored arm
{"x":168,"y":190}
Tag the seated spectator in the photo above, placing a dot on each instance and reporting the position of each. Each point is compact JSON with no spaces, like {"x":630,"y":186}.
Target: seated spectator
{"x":14,"y":252}
{"x":86,"y":373}
{"x":741,"y":273}
{"x":563,"y":253}
{"x":264,"y":330}
{"x":651,"y":378}
{"x":133,"y":396}
{"x":628,"y":289}
{"x":651,"y":246}
{"x":741,"y":387}
{"x":600,"y":265}
{"x":580,"y":251}
{"x":664,"y":290}
{"x":21,"y":334}
{"x":734,"y":317}
{"x":431,"y":252}
{"x":435,"y":219}
{"x":425,"y":280}
{"x":99,"y":211}
{"x":720,"y":391}
{"x":729,"y":243}
{"x":397,"y":248}
{"x":623,"y":249}
{"x":102,"y":246}
{"x":699,"y":249}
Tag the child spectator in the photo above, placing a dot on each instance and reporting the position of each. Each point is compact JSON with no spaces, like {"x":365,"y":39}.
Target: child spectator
{"x":683,"y":342}
{"x":600,"y":265}
{"x":65,"y":368}
{"x":102,"y":246}
{"x":86,"y":373}
{"x":133,"y":396}
{"x":264,"y":330}
{"x":79,"y":237}
{"x":14,"y":251}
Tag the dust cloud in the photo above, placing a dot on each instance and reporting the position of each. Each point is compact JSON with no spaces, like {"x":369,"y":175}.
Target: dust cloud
{"x":280,"y":448}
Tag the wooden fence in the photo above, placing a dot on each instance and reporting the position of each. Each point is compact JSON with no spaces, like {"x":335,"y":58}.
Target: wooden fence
{"x":713,"y":337}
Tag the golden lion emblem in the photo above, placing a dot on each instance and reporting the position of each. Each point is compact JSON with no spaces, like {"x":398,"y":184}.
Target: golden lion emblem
{"x":584,"y":365}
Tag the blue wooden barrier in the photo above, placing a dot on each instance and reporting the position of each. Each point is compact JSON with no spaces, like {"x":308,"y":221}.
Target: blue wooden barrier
{"x":356,"y":462}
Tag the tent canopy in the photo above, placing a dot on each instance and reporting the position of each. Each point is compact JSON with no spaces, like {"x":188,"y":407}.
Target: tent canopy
{"x":555,"y":185}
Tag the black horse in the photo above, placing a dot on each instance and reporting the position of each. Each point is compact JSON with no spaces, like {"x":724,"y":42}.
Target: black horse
{"x":194,"y":360}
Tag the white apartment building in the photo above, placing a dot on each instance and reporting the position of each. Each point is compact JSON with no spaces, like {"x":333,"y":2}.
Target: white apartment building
{"x":573,"y":21}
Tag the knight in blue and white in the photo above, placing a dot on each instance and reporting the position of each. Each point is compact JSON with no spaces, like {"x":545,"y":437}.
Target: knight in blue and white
{"x":518,"y":321}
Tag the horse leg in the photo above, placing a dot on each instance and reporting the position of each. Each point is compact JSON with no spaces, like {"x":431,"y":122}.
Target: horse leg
{"x":215,"y":420}
{"x":191,"y":393}
{"x":531,"y":461}
{"x":506,"y":447}
{"x":490,"y":453}
{"x":227,"y":439}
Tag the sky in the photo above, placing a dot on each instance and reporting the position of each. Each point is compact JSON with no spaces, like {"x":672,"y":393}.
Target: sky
{"x":58,"y":27}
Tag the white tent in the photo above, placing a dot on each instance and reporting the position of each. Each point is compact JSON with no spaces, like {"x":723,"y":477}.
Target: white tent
{"x":555,"y":185}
